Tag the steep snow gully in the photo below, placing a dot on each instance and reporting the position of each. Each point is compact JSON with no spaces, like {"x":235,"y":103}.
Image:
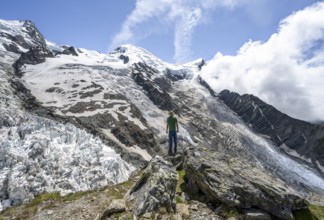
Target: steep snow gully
{"x":115,"y":97}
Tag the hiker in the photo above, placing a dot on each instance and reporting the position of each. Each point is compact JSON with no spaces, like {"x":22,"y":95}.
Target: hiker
{"x":173,"y":128}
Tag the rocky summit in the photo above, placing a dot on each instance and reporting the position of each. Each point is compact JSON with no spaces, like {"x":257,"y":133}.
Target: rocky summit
{"x":82,"y":136}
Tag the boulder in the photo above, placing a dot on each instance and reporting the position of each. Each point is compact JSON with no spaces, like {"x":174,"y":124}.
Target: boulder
{"x":117,"y":205}
{"x":234,"y":182}
{"x":155,"y":190}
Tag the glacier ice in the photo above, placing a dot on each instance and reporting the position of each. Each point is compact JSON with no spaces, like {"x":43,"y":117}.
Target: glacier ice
{"x":39,"y":155}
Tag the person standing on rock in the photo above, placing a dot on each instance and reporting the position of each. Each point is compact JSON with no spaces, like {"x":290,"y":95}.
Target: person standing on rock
{"x":172,"y":127}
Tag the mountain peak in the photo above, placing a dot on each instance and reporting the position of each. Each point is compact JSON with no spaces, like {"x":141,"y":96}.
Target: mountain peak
{"x":19,"y":36}
{"x":137,"y":54}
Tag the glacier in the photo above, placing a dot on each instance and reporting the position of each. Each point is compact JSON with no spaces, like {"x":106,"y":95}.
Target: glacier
{"x":39,"y":155}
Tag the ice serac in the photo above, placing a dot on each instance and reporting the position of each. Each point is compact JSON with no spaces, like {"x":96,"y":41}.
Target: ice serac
{"x":40,"y":155}
{"x":297,"y":138}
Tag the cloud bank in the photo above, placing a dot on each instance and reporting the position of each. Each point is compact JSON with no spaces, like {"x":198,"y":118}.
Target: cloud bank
{"x":286,"y":71}
{"x":180,"y":16}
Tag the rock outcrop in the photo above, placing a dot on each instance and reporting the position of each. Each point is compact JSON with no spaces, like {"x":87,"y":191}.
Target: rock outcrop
{"x":155,"y":86}
{"x":233,"y":182}
{"x":155,"y":190}
{"x":23,"y":38}
{"x":68,"y":51}
{"x":115,"y":206}
{"x":34,"y":56}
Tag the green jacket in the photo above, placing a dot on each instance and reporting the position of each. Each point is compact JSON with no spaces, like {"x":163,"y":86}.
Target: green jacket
{"x":172,"y":123}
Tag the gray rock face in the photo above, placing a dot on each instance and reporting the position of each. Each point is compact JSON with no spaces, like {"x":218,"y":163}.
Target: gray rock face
{"x":18,"y":39}
{"x":124,"y":58}
{"x":156,"y":87}
{"x":68,"y":51}
{"x":155,"y":190}
{"x":305,"y":138}
{"x":230,"y":181}
{"x":36,"y":36}
{"x":34,"y":56}
{"x":205,"y":84}
{"x":12,"y":48}
{"x":174,"y":77}
{"x":29,"y":101}
{"x":115,"y":206}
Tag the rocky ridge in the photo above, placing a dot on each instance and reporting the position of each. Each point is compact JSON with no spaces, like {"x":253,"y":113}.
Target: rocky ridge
{"x":297,"y":138}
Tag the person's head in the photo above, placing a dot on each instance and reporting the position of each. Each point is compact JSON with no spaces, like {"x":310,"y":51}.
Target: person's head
{"x":171,"y":113}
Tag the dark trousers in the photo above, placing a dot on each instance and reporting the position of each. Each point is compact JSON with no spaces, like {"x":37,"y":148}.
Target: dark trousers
{"x":172,"y":138}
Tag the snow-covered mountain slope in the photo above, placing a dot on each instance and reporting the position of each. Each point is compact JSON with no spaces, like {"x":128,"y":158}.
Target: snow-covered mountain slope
{"x":19,"y":36}
{"x":103,"y":91}
{"x":122,"y":98}
{"x":38,"y":154}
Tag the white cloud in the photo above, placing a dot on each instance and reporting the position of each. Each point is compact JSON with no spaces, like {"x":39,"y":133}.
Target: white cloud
{"x":182,"y":16}
{"x":287,"y":71}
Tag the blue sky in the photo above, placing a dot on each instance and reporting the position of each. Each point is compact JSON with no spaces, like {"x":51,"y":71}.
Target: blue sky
{"x":94,"y":24}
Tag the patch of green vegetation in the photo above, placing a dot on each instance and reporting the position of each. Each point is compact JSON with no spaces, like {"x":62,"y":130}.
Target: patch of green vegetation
{"x":182,"y":186}
{"x":178,"y":199}
{"x":118,"y":215}
{"x":20,"y":214}
{"x":304,"y":214}
{"x":205,"y":149}
{"x":128,"y":184}
{"x":228,"y":212}
{"x":74,"y":196}
{"x":44,"y":197}
{"x":181,"y":181}
{"x":50,"y":199}
{"x":317,"y":211}
{"x":116,"y":192}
